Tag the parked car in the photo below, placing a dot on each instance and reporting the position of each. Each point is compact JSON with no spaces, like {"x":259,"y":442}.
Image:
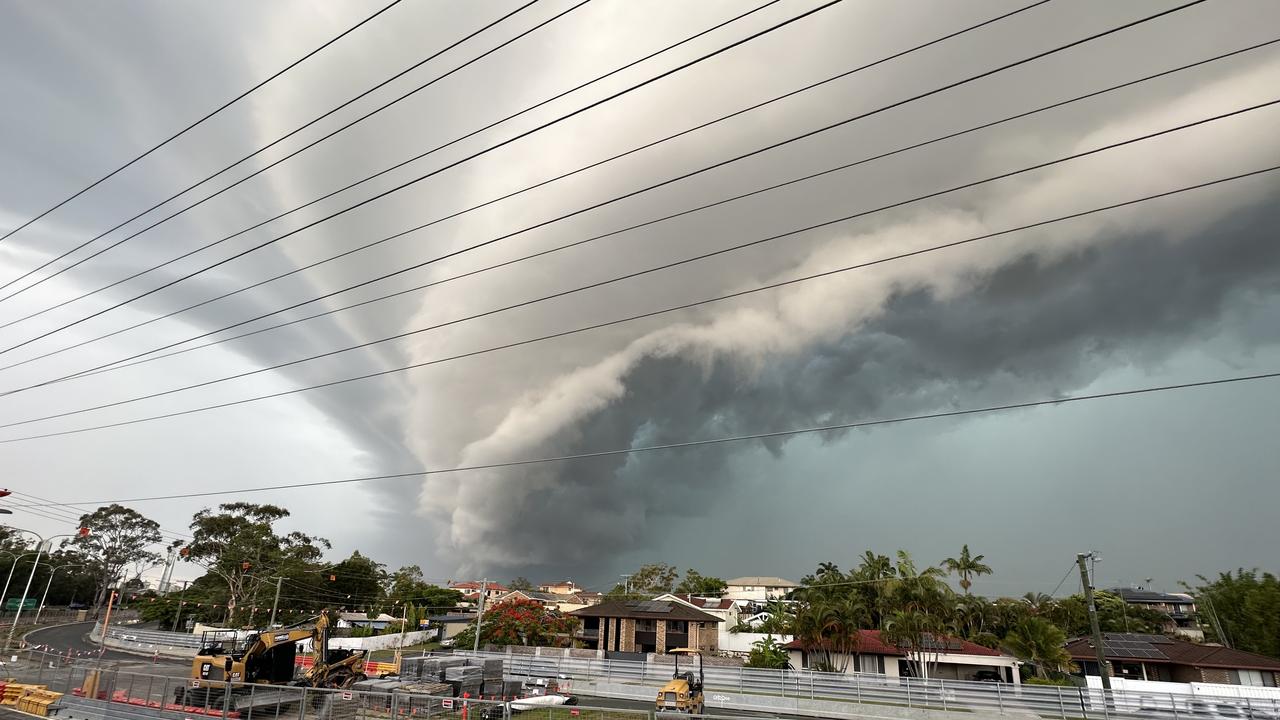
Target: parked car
{"x":448,"y":642}
{"x":78,"y":606}
{"x":988,"y":676}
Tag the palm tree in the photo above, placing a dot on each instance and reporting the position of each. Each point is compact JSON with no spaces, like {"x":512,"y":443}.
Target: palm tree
{"x":967,"y":566}
{"x":1037,"y":601}
{"x":1040,"y":643}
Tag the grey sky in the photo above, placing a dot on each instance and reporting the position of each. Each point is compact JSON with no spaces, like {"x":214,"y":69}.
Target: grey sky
{"x":1177,"y":290}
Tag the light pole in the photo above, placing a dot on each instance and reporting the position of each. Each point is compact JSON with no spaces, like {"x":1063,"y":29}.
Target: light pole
{"x":12,"y":567}
{"x":39,"y":551}
{"x":46,"y":588}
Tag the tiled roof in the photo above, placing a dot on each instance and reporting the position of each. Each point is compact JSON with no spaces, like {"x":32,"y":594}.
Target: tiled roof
{"x":762,"y":580}
{"x":645,"y":610}
{"x":1134,"y":595}
{"x":1181,"y":652}
{"x":704,"y":603}
{"x":871,"y":643}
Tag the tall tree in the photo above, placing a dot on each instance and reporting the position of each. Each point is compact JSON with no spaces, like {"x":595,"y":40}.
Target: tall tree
{"x":1242,"y":610}
{"x":521,"y":583}
{"x":651,"y":579}
{"x":695,"y":583}
{"x":118,"y":538}
{"x":967,"y":567}
{"x":407,"y":584}
{"x":239,"y":545}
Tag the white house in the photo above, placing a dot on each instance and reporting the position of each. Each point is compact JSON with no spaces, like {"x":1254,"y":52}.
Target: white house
{"x":758,"y":588}
{"x":956,"y":659}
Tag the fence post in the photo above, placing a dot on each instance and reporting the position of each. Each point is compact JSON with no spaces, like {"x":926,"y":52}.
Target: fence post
{"x":302,"y":705}
{"x":1173,"y":703}
{"x":907,"y":681}
{"x":942,"y":693}
{"x":1062,"y":707}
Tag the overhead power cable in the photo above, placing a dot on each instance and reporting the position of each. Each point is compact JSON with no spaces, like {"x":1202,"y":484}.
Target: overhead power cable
{"x":349,"y":186}
{"x":634,"y":193}
{"x":467,"y":158}
{"x":269,"y":145}
{"x":133,"y":360}
{"x":188,"y":128}
{"x":720,"y":440}
{"x":684,"y":306}
{"x":71,"y":510}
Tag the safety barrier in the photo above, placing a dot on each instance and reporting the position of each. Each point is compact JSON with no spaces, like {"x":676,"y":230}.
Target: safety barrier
{"x":371,"y":668}
{"x":831,"y":694}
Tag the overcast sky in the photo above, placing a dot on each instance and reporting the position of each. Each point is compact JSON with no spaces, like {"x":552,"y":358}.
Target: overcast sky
{"x":1174,"y":290}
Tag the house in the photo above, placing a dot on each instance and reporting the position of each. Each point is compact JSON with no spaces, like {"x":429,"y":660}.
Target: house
{"x":471,"y":590}
{"x":564,"y":587}
{"x":589,"y":597}
{"x":1179,"y":607}
{"x":362,"y":620}
{"x":1165,"y":659}
{"x":955,"y":659}
{"x":758,"y":588}
{"x":452,"y":624}
{"x":646,"y":626}
{"x":555,"y":601}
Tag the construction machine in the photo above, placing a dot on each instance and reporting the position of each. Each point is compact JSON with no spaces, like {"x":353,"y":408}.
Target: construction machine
{"x":227,"y":659}
{"x":683,"y":692}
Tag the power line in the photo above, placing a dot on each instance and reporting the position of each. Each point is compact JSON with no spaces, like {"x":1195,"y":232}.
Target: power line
{"x":269,"y":166}
{"x":380,"y":173}
{"x":529,"y":188}
{"x":409,"y":183}
{"x":184,"y":130}
{"x":76,"y":513}
{"x":628,"y":276}
{"x":1070,"y":569}
{"x":133,"y":360}
{"x":721,"y":440}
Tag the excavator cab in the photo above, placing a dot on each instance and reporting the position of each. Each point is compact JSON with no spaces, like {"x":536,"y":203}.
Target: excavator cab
{"x":683,"y":693}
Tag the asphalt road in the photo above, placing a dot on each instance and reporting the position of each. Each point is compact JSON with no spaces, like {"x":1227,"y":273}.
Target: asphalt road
{"x":74,"y":637}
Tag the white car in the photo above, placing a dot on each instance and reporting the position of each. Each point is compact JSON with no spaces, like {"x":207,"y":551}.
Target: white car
{"x":448,"y":642}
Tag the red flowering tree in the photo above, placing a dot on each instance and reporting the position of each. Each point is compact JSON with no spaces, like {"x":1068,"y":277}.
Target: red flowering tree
{"x":519,"y":622}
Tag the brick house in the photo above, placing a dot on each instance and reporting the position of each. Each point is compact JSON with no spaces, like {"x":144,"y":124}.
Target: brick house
{"x":646,"y":626}
{"x":1164,"y":659}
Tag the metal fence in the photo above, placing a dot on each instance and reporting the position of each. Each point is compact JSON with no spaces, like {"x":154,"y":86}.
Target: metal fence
{"x":788,"y":690}
{"x":136,"y":696}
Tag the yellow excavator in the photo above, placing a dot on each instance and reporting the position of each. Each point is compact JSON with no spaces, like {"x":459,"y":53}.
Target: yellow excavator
{"x":683,"y":692}
{"x":268,"y":658}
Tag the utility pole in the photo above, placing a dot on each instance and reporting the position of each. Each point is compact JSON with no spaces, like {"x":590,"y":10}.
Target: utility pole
{"x":626,"y":584}
{"x":168,"y":570}
{"x":1093,"y":619}
{"x":181,"y":599}
{"x":484,"y":589}
{"x":275,"y":603}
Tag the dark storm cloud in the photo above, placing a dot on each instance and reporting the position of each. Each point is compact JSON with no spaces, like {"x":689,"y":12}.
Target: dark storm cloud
{"x":1031,"y":330}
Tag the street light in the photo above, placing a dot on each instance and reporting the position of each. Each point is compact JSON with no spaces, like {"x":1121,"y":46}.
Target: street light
{"x":12,"y":567}
{"x":39,"y":551}
{"x":46,"y":588}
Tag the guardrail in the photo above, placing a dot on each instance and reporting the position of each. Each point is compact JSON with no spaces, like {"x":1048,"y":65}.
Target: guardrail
{"x":796,"y":690}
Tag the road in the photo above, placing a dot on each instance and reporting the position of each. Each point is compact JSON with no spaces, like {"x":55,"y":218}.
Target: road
{"x":73,"y":637}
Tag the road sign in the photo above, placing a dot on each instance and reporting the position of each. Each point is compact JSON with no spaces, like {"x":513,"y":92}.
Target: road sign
{"x":447,"y":703}
{"x":346,"y":695}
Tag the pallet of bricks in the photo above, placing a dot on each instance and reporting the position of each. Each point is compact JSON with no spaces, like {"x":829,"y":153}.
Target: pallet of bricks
{"x":33,"y":699}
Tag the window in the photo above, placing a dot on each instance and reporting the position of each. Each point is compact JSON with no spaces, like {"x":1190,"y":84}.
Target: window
{"x":1248,"y":677}
{"x":677,"y":626}
{"x":646,"y":625}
